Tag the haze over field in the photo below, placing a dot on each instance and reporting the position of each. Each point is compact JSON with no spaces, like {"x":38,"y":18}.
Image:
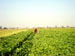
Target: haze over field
{"x":34,"y":13}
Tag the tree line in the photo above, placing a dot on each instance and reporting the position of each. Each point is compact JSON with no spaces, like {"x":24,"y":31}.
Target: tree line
{"x":36,"y":27}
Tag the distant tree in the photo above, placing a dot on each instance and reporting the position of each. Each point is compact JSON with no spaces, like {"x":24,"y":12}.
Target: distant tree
{"x":67,"y":26}
{"x":5,"y":28}
{"x":0,"y":27}
{"x":12,"y":28}
{"x":62,"y":26}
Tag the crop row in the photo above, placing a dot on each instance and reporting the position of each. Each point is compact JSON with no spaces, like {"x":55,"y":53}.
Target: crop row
{"x":10,"y":43}
{"x":25,"y":48}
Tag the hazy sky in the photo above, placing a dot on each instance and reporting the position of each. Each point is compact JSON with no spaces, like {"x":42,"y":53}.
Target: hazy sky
{"x":33,"y":13}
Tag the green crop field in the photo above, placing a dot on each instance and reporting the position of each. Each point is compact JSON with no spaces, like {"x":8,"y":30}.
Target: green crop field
{"x":46,"y":42}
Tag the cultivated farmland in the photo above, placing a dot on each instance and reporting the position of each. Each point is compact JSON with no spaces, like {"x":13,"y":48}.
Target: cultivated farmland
{"x":6,"y":32}
{"x":47,"y":42}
